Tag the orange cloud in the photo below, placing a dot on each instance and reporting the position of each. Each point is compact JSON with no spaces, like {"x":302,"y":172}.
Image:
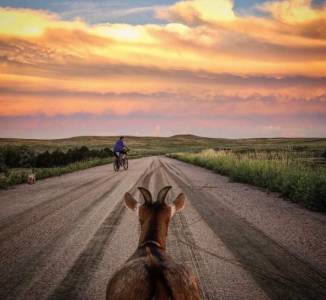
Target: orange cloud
{"x":193,"y":11}
{"x":206,"y":60}
{"x":294,"y":11}
{"x":219,"y":41}
{"x":292,"y":27}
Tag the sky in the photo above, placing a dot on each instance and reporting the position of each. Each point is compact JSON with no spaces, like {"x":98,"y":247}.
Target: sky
{"x":218,"y":68}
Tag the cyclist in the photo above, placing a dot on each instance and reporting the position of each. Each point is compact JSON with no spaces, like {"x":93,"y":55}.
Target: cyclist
{"x":120,"y":147}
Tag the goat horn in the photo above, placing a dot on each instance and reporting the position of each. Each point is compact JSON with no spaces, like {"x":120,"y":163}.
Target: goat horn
{"x":162,"y":194}
{"x":146,"y":194}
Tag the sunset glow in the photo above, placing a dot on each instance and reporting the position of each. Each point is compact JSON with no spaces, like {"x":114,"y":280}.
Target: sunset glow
{"x":205,"y":67}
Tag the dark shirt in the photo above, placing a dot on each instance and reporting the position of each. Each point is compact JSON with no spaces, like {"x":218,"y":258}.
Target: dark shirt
{"x":119,"y":146}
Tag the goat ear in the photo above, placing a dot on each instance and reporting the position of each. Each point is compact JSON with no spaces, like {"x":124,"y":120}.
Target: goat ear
{"x":178,"y":204}
{"x":162,"y":194}
{"x":131,"y":202}
{"x":146,"y":194}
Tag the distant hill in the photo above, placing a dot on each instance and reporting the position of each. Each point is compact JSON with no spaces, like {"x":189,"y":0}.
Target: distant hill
{"x":160,"y":145}
{"x":185,"y":136}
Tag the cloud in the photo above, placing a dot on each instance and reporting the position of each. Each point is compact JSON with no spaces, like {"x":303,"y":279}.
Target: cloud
{"x":294,"y":26}
{"x":196,"y":11}
{"x":205,"y":62}
{"x":222,"y":126}
{"x":294,"y":11}
{"x":178,"y":104}
{"x":97,"y":12}
{"x":234,"y":44}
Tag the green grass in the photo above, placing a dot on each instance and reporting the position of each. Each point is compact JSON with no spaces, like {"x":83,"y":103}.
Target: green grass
{"x":161,"y":145}
{"x":147,"y":146}
{"x":17,"y":176}
{"x":279,"y":171}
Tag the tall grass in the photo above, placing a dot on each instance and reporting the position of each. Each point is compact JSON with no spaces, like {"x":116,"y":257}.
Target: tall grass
{"x":17,"y":176}
{"x":276,"y":171}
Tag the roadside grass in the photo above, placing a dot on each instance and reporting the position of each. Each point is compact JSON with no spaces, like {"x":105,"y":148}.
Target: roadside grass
{"x":278,"y":171}
{"x":17,"y":176}
{"x":314,"y":149}
{"x":177,"y":143}
{"x":14,"y":176}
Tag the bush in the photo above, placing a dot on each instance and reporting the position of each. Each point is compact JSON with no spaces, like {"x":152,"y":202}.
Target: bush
{"x":43,"y":160}
{"x":47,"y":163}
{"x":3,"y":166}
{"x":24,"y":157}
{"x":20,"y":176}
{"x":324,"y":154}
{"x":12,"y":156}
{"x":16,"y":157}
{"x":277,"y":172}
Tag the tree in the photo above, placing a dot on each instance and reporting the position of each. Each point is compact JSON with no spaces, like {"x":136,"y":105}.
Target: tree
{"x":27,"y":157}
{"x":11,"y":157}
{"x":43,"y":160}
{"x":3,"y":166}
{"x":58,"y":158}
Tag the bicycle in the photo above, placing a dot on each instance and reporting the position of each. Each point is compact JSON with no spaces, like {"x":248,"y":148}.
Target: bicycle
{"x":121,"y":162}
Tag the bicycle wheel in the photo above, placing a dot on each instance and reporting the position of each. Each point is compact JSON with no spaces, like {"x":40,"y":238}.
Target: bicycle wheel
{"x":125,"y":163}
{"x":116,"y":165}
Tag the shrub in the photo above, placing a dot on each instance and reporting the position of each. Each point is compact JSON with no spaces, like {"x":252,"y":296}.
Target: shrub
{"x":11,"y":156}
{"x":3,"y":166}
{"x":78,"y":154}
{"x":20,"y":176}
{"x":43,"y":160}
{"x":277,"y":172}
{"x":324,"y":154}
{"x":47,"y":163}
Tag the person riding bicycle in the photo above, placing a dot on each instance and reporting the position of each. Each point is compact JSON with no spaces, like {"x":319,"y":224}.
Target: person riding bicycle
{"x":120,"y":147}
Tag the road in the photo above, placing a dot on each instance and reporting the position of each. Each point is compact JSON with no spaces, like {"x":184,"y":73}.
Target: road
{"x":63,"y":237}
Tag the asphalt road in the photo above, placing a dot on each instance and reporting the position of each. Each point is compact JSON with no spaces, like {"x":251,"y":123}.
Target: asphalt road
{"x":63,"y":237}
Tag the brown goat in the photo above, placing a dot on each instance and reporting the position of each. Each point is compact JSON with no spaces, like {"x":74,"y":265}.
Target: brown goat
{"x":150,"y":273}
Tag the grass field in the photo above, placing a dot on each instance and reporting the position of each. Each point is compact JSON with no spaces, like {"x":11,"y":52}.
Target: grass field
{"x":17,"y":176}
{"x":288,"y":172}
{"x":308,"y":150}
{"x":178,"y":143}
{"x":138,"y":145}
